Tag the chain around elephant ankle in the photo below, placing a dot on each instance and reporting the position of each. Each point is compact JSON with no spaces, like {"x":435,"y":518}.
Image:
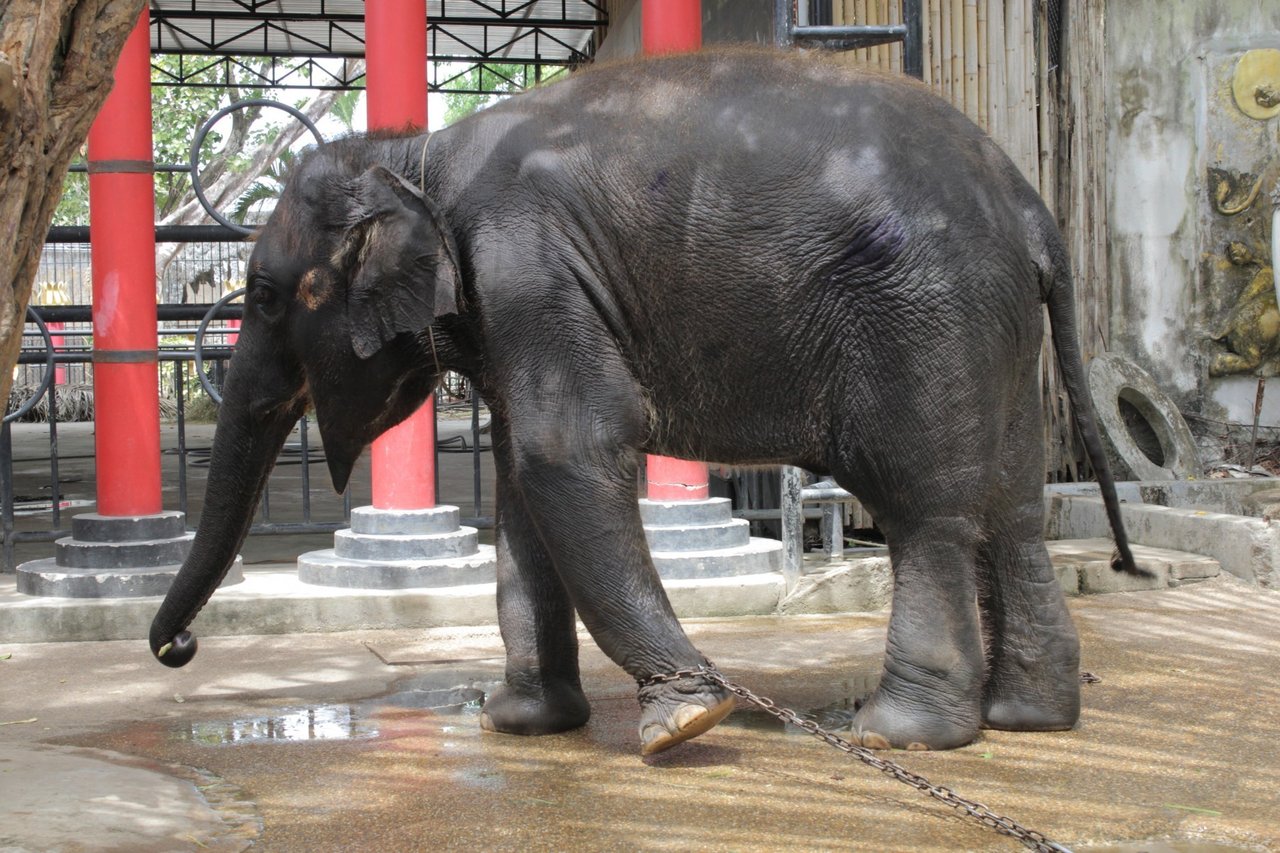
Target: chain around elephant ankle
{"x":706,"y":668}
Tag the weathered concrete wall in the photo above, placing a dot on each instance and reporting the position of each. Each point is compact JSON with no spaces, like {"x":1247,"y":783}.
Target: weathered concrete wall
{"x":1171,"y":120}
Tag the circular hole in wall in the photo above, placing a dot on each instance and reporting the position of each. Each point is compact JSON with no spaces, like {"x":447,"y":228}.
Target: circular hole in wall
{"x":1141,"y":429}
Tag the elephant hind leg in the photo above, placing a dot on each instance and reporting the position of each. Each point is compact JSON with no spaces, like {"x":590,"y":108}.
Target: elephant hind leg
{"x":930,"y":687}
{"x":1033,"y":652}
{"x":926,"y":482}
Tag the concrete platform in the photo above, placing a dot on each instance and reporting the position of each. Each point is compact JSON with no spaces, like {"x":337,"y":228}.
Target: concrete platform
{"x":272,"y":599}
{"x":368,"y":740}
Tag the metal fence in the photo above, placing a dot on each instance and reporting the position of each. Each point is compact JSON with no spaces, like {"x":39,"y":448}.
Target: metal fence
{"x":181,"y":389}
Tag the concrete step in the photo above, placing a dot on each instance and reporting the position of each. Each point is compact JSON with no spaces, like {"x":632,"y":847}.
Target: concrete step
{"x":1084,"y":567}
{"x":733,"y":533}
{"x":46,"y":578}
{"x":407,"y":522}
{"x":327,"y":568}
{"x":459,"y":542}
{"x":145,"y":553}
{"x":666,"y":513}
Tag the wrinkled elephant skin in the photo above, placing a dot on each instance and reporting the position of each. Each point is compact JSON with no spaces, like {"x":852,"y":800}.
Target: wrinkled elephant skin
{"x":751,"y":258}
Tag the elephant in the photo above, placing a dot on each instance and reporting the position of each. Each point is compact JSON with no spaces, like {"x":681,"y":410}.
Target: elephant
{"x":749,"y":257}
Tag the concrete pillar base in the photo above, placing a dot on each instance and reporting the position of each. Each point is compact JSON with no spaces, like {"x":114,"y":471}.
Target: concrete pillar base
{"x":401,"y":549}
{"x":115,"y":557}
{"x":702,"y":539}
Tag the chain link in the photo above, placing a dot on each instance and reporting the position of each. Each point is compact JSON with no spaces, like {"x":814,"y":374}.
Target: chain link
{"x":1030,"y":838}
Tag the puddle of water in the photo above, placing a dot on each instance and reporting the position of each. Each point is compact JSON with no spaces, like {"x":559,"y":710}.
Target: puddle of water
{"x":322,"y":722}
{"x":453,"y":700}
{"x":331,"y":722}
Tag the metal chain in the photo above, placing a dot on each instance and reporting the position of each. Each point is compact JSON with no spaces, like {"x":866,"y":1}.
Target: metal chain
{"x":1030,"y":838}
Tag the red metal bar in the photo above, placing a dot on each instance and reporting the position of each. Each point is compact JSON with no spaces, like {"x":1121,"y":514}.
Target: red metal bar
{"x":671,"y":26}
{"x":403,"y":458}
{"x":58,"y":341}
{"x":123,"y":250}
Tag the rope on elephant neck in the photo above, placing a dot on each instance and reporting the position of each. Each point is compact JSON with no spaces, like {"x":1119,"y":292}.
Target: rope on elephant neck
{"x":422,"y":165}
{"x":422,"y":187}
{"x":1029,"y":838}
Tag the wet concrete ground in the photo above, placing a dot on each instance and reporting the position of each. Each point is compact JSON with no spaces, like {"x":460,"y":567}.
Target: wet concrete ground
{"x":320,"y":742}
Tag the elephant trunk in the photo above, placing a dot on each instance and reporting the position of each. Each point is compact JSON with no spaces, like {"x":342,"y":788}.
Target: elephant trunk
{"x":246,"y":443}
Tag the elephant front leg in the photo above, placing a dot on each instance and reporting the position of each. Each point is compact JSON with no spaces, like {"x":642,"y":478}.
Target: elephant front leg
{"x":584,"y":503}
{"x":575,"y":420}
{"x":589,"y":519}
{"x":542,"y":693}
{"x":930,"y":690}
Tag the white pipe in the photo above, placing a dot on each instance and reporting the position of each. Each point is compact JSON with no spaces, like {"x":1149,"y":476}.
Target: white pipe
{"x":1275,"y":242}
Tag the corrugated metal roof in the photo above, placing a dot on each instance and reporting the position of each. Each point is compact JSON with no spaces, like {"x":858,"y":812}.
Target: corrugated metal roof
{"x":546,"y":31}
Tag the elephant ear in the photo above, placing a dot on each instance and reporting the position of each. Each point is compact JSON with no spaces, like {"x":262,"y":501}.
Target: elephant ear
{"x":400,"y":259}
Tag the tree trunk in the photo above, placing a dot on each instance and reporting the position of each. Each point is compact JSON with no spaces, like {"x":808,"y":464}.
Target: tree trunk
{"x":57,"y":61}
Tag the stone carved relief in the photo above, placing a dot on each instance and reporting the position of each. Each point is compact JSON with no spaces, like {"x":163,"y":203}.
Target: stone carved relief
{"x":1242,"y":182}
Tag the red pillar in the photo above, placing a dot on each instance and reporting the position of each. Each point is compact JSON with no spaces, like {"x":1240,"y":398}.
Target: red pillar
{"x":123,"y":249}
{"x":396,"y":88}
{"x":672,"y":26}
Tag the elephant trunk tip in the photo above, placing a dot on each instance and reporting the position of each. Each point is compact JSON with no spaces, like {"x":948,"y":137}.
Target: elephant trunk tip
{"x":177,"y":652}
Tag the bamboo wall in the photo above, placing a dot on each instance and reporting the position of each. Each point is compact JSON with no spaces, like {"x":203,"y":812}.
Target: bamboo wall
{"x":992,"y":59}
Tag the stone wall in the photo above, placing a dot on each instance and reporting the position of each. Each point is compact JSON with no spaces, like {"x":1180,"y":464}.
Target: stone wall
{"x":1183,"y":158}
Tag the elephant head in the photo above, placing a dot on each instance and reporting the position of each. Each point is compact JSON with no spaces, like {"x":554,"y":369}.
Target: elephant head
{"x":353,"y":265}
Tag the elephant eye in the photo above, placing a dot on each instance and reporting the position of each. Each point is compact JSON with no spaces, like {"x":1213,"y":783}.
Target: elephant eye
{"x":264,"y":297}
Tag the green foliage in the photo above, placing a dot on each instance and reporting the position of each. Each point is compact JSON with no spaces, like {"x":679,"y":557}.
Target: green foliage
{"x":266,"y":188}
{"x":178,"y":111}
{"x":487,"y":84}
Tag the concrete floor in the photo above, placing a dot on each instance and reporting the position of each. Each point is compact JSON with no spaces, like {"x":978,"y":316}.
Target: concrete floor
{"x":321,"y":742}
{"x":334,"y":741}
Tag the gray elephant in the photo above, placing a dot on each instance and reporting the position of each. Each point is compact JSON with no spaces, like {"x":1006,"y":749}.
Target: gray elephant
{"x":752,"y":258}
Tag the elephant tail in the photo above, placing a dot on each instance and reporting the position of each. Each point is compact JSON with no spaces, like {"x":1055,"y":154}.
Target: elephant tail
{"x":1059,"y":295}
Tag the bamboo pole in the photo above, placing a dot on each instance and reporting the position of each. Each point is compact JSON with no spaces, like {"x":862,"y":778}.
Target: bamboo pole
{"x":1031,"y":153}
{"x":1047,"y":136}
{"x":860,"y":17}
{"x":957,"y":53}
{"x":1013,"y":72}
{"x":884,"y":50}
{"x":895,"y":49}
{"x":944,"y":48}
{"x":971,"y":58}
{"x":934,"y":44}
{"x":997,"y":104}
{"x":984,"y":118}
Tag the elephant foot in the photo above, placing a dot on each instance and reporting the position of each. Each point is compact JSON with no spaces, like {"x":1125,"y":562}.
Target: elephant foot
{"x":543,"y":709}
{"x":675,"y":711}
{"x":1053,"y":708}
{"x":884,"y":722}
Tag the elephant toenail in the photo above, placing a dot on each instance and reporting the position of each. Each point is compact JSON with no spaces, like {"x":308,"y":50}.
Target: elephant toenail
{"x":917,"y":746}
{"x":872,"y":740}
{"x":486,"y":723}
{"x":689,"y":714}
{"x":654,"y":738}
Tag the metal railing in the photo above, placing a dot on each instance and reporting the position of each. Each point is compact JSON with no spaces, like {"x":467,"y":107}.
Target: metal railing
{"x":184,"y":370}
